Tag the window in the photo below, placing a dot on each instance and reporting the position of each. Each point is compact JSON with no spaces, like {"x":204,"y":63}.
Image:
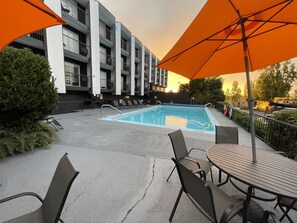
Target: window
{"x":72,"y":74}
{"x":70,"y":40}
{"x":103,"y":56}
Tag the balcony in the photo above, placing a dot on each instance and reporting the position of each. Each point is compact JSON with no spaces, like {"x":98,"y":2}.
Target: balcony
{"x":106,"y":60}
{"x":75,"y":47}
{"x":107,"y":37}
{"x":76,"y":80}
{"x":125,"y":88}
{"x":125,"y":67}
{"x":107,"y":85}
{"x":75,"y":15}
{"x":39,"y":35}
{"x":137,"y":90}
{"x":137,"y":55}
{"x":137,"y":73}
{"x":125,"y":47}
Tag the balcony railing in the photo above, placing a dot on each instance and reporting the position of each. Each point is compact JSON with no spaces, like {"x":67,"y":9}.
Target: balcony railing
{"x":125,"y":67}
{"x":124,"y":45}
{"x":71,"y":8}
{"x":107,"y":84}
{"x":75,"y":46}
{"x":137,"y":54}
{"x":106,"y":59}
{"x":76,"y":80}
{"x":107,"y":34}
{"x":37,"y":35}
{"x":125,"y":88}
{"x":279,"y":135}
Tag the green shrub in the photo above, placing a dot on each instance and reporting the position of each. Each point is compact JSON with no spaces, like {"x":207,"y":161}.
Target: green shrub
{"x":27,"y":94}
{"x":286,"y":116}
{"x":40,"y":134}
{"x":241,"y":118}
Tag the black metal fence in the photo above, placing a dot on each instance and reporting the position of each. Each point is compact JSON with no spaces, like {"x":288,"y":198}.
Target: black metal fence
{"x":279,"y":135}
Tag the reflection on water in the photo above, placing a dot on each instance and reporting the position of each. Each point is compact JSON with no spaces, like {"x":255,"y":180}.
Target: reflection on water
{"x":174,"y":121}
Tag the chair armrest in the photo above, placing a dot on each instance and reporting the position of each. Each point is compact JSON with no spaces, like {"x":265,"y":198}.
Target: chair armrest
{"x":232,"y":209}
{"x":272,"y":216}
{"x":192,"y":160}
{"x":201,"y":172}
{"x":21,"y":195}
{"x":196,"y":149}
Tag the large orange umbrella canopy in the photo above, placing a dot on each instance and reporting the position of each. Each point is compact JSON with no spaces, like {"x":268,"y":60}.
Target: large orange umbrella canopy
{"x":212,"y":44}
{"x":21,"y":17}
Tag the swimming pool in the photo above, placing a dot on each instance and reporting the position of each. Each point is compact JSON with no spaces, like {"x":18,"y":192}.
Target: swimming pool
{"x":193,"y":118}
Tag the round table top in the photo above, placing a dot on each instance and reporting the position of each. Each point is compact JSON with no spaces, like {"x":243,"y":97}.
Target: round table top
{"x":273,"y":172}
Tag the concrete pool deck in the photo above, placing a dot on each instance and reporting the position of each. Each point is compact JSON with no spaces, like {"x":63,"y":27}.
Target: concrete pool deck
{"x":123,"y":170}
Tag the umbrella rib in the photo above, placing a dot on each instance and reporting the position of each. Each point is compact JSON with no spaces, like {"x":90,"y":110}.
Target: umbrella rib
{"x":269,"y":19}
{"x":218,"y":48}
{"x":41,"y":9}
{"x":187,"y":49}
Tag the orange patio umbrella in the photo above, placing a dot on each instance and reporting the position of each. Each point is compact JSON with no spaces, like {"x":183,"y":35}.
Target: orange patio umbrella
{"x":21,"y":17}
{"x":230,"y":36}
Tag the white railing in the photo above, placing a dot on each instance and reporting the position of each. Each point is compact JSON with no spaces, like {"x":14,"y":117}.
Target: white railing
{"x":110,"y":106}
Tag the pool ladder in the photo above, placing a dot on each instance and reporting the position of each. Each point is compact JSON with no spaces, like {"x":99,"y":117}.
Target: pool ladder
{"x":110,"y":106}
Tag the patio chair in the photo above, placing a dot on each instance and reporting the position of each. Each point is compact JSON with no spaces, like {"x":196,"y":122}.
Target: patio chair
{"x":226,"y":134}
{"x":52,"y":205}
{"x":183,"y":155}
{"x":270,"y":217}
{"x":286,"y":204}
{"x":211,"y":201}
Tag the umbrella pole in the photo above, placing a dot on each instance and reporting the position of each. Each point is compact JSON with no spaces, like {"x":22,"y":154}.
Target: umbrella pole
{"x":250,"y":98}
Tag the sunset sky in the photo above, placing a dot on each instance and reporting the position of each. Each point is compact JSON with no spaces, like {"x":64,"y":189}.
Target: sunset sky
{"x":158,"y":24}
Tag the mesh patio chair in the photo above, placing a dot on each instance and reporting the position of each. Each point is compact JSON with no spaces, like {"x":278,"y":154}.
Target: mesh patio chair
{"x":226,"y":134}
{"x":270,"y":217}
{"x":286,"y":204}
{"x":183,"y":155}
{"x":52,"y":205}
{"x":211,"y":201}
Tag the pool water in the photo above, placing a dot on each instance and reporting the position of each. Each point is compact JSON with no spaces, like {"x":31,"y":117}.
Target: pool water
{"x":192,"y":118}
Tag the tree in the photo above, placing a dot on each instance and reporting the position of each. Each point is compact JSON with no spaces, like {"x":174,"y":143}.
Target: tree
{"x":27,"y":92}
{"x":205,"y":90}
{"x":183,"y":88}
{"x":236,"y":93}
{"x":228,"y":96}
{"x":276,"y":80}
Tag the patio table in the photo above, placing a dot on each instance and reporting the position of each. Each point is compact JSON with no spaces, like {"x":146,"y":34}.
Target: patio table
{"x":273,"y":173}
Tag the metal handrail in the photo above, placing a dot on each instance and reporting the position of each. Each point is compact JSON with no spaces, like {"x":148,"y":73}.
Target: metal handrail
{"x":108,"y":105}
{"x":159,"y":102}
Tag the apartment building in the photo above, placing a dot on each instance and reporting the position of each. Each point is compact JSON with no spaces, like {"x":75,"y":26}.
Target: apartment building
{"x":94,"y":57}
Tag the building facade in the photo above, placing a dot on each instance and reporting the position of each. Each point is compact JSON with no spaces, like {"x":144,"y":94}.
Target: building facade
{"x":94,"y":57}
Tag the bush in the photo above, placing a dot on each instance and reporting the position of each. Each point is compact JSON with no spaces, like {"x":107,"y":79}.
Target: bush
{"x":286,"y":116}
{"x":13,"y":142}
{"x":27,"y":94}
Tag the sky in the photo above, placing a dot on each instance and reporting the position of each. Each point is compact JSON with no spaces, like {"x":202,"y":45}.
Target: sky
{"x":158,"y":24}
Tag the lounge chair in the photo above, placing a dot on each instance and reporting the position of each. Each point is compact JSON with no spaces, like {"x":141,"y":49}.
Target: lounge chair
{"x":53,"y":122}
{"x":116,"y":104}
{"x":124,"y":104}
{"x":211,"y":201}
{"x":52,"y":205}
{"x":141,"y":102}
{"x":226,"y":134}
{"x":183,"y":155}
{"x":130,"y":104}
{"x":135,"y":102}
